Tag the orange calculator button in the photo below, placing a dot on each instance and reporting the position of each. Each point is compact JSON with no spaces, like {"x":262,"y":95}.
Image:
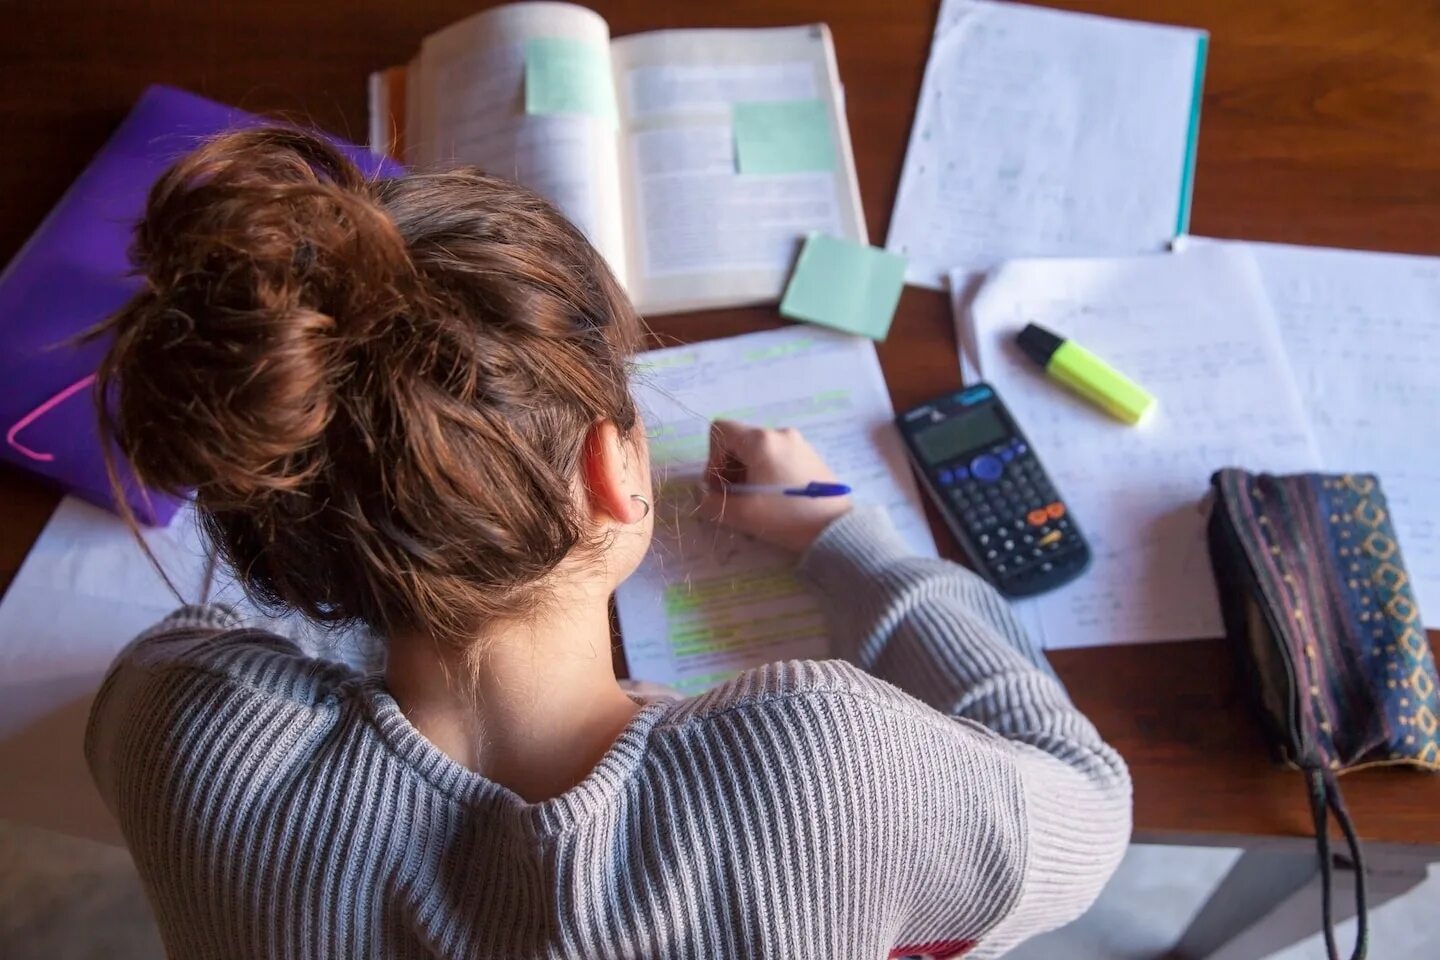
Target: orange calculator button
{"x":1055,"y":511}
{"x":1036,"y":517}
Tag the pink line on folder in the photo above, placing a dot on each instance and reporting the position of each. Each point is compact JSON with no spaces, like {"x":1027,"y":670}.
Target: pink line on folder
{"x":39,"y":412}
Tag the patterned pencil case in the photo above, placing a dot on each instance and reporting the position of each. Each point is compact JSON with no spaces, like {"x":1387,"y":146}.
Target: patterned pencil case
{"x":1319,"y":608}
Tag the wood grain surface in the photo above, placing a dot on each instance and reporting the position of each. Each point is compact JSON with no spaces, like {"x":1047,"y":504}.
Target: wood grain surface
{"x":1321,"y":125}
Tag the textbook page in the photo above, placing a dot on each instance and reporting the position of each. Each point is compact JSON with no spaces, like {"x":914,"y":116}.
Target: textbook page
{"x":1362,"y":331}
{"x":700,"y":231}
{"x":1044,"y":133}
{"x":707,"y":602}
{"x":466,"y":103}
{"x":1197,"y":332}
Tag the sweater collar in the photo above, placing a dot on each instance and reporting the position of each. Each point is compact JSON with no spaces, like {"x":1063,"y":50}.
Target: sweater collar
{"x":602,"y":788}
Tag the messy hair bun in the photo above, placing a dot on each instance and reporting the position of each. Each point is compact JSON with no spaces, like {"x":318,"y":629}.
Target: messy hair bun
{"x":379,"y":391}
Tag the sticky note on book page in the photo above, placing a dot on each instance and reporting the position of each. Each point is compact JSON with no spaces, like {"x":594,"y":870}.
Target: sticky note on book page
{"x":567,"y":76}
{"x":783,"y":136}
{"x":846,"y":285}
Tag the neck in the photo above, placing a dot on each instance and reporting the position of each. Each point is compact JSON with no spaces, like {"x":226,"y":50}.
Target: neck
{"x":535,"y":710}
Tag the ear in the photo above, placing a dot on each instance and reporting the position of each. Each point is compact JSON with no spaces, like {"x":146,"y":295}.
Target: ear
{"x":613,"y":470}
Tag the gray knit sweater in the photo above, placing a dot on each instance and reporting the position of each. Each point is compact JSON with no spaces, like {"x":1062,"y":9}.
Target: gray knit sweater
{"x":936,"y":794}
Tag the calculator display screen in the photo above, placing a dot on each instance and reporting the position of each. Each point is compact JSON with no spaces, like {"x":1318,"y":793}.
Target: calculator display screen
{"x":958,"y":435}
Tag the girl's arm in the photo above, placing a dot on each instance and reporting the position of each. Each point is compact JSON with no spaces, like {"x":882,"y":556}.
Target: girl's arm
{"x":944,"y":636}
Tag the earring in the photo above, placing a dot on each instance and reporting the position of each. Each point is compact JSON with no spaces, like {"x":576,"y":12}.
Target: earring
{"x":636,"y":496}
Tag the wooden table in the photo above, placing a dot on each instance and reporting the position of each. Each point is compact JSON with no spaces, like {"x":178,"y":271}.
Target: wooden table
{"x":1321,"y":125}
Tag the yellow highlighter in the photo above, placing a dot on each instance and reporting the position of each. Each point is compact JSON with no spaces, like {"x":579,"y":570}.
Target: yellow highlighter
{"x":1086,"y":374}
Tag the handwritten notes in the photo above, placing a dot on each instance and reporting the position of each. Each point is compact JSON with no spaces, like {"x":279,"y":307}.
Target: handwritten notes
{"x":1362,"y":331}
{"x":1045,"y":133}
{"x":708,"y":603}
{"x":1198,"y":332}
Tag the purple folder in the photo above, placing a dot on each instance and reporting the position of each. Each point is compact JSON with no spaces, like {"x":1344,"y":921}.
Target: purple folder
{"x":72,"y":273}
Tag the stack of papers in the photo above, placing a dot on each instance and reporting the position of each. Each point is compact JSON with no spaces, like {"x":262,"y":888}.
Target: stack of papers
{"x":1270,"y":358}
{"x":1197,"y":332}
{"x":1362,"y":333}
{"x":1043,"y":134}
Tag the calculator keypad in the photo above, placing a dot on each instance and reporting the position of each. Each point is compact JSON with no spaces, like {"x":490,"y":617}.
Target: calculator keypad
{"x":1015,"y":519}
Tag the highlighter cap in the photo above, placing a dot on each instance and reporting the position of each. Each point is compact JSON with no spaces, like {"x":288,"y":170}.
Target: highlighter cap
{"x":1037,"y":343}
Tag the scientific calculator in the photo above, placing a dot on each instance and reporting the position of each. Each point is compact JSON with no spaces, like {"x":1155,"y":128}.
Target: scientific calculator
{"x":993,"y":493}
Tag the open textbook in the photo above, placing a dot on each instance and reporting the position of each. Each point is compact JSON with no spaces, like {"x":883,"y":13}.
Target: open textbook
{"x":1197,"y":332}
{"x":696,"y":161}
{"x":708,"y":602}
{"x":1045,"y":133}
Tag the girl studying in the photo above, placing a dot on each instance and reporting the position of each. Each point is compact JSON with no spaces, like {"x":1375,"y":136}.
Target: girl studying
{"x":405,"y":403}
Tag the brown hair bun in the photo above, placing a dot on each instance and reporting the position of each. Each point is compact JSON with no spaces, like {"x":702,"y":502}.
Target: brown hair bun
{"x":378,"y":391}
{"x":263,"y":250}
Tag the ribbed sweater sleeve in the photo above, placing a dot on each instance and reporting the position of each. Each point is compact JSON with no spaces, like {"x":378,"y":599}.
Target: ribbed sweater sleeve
{"x":943,"y":635}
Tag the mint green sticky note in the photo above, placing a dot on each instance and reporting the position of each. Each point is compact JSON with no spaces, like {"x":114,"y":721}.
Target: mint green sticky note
{"x":565,"y":76}
{"x":783,"y":136}
{"x":845,"y":285}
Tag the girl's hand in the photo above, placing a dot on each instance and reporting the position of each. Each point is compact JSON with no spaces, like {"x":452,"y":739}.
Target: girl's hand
{"x":743,"y":454}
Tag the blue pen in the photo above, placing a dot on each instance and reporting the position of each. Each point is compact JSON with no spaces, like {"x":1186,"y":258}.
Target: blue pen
{"x":815,"y":488}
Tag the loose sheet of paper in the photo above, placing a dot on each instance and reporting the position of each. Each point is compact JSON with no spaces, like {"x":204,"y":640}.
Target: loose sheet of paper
{"x":1197,"y":332}
{"x":708,"y":603}
{"x":1046,"y":133}
{"x":1362,"y":331}
{"x":86,"y":589}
